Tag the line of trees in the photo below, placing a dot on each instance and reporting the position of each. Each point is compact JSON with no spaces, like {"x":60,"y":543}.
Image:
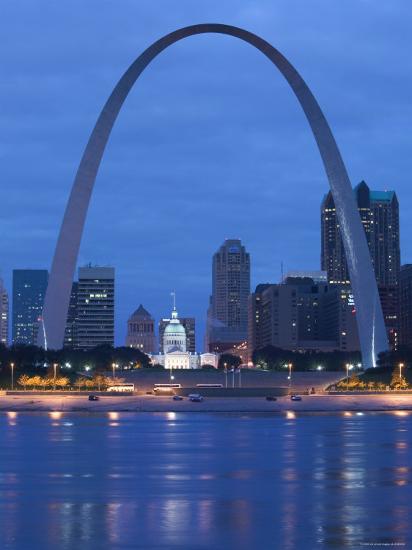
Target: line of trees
{"x":273,"y":358}
{"x":99,"y":358}
{"x":97,"y":382}
{"x":355,"y":383}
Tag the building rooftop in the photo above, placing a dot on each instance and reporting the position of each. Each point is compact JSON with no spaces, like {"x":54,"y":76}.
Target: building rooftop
{"x":141,"y":313}
{"x":382,"y":195}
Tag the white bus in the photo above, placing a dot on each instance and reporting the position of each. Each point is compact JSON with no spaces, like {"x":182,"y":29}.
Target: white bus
{"x":166,"y":387}
{"x":121,"y":388}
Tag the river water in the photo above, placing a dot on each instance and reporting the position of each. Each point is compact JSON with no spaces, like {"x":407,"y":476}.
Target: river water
{"x":205,"y":481}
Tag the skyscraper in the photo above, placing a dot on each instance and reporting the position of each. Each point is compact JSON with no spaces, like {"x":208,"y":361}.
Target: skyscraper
{"x":4,"y":315}
{"x":140,"y":331}
{"x":379,"y":212}
{"x":302,"y":314}
{"x":405,"y":325}
{"x":227,"y":315}
{"x":95,"y":307}
{"x":70,"y":334}
{"x":29,"y":288}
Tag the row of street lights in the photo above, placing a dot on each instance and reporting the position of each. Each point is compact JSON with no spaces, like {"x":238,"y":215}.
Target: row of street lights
{"x":349,"y":367}
{"x":233,"y":370}
{"x":55,"y":365}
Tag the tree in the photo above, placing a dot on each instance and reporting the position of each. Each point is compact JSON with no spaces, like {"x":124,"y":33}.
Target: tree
{"x":47,"y":382}
{"x":23,"y":380}
{"x":99,"y":381}
{"x":36,"y":381}
{"x":398,"y":382}
{"x":231,"y":361}
{"x":89,"y":383}
{"x":116,"y":381}
{"x":354,"y":382}
{"x":80,"y":382}
{"x":62,"y":382}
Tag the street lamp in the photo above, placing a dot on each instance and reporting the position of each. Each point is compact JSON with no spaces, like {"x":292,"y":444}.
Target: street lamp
{"x":401,"y":365}
{"x":55,"y":371}
{"x":348,"y":368}
{"x":225,"y":365}
{"x":113,"y":367}
{"x":290,"y":374}
{"x":12,"y":375}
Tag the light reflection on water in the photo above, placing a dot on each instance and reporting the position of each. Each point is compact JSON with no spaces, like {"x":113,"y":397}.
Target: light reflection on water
{"x":207,"y":481}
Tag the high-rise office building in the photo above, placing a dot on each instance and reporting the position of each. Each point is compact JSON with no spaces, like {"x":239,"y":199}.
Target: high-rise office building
{"x":379,"y":212}
{"x":227,"y":319}
{"x":301,"y":314}
{"x":140,"y":331}
{"x":189,"y":324}
{"x":405,"y":324}
{"x":4,"y":315}
{"x":70,"y":334}
{"x":29,"y":289}
{"x":95,"y":307}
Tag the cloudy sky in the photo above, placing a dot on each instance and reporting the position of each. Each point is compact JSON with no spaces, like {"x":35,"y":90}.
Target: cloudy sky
{"x":211,"y":142}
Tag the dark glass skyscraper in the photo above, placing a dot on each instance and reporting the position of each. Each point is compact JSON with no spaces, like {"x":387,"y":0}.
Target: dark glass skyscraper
{"x":95,"y":307}
{"x":406,"y":305}
{"x":379,"y":212}
{"x":29,"y":289}
{"x":228,"y":312}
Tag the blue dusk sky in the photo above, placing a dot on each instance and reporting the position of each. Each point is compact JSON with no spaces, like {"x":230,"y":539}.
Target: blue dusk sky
{"x":210,"y":144}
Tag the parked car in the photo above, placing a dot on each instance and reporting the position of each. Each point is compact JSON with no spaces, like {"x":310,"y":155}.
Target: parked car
{"x":195,"y":397}
{"x":271,"y":398}
{"x":177,"y":398}
{"x":295,"y":397}
{"x":93,"y":398}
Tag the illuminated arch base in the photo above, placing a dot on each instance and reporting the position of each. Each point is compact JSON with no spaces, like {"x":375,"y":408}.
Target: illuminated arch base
{"x":371,"y":327}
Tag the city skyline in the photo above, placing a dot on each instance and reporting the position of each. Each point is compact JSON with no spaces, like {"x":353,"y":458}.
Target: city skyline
{"x":263,"y":162}
{"x":205,"y":274}
{"x":236,"y":247}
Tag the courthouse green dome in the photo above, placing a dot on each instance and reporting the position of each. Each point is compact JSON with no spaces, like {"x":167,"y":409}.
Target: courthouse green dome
{"x":175,"y":328}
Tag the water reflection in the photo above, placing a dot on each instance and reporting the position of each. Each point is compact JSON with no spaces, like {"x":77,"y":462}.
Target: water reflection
{"x":225,"y":481}
{"x":12,"y":416}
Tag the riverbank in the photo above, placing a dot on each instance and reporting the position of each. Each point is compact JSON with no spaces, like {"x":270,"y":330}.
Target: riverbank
{"x":150,"y":403}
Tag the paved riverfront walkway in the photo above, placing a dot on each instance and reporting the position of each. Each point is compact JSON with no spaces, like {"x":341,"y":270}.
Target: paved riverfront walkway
{"x":151,"y":403}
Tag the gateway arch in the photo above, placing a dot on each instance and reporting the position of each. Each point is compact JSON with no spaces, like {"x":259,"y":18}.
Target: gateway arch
{"x":371,"y":326}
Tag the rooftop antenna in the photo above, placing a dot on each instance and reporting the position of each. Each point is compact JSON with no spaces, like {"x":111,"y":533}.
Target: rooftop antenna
{"x":173,"y":294}
{"x":281,"y":271}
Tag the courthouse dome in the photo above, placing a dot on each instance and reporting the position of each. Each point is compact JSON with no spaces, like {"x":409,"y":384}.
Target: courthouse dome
{"x":175,"y":326}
